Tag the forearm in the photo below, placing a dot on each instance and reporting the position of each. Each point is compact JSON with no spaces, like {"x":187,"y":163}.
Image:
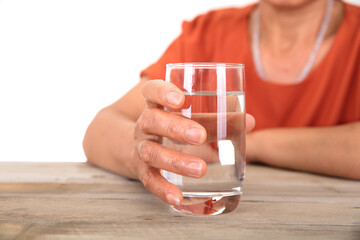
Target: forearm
{"x":108,"y":142}
{"x":331,"y":151}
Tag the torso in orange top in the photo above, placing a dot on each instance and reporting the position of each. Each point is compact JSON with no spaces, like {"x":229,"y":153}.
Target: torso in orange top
{"x":330,"y":94}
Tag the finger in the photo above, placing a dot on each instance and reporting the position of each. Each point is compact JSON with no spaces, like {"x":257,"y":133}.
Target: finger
{"x":158,"y":122}
{"x":160,"y":157}
{"x":163,"y":93}
{"x":250,"y":122}
{"x":233,"y":124}
{"x":159,"y":186}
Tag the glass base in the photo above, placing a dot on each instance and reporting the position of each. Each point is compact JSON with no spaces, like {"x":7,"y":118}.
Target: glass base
{"x":208,"y":204}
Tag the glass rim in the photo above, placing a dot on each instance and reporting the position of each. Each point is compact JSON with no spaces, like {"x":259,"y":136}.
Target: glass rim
{"x":204,"y":65}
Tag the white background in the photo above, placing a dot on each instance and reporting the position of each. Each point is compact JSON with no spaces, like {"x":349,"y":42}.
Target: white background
{"x":63,"y":60}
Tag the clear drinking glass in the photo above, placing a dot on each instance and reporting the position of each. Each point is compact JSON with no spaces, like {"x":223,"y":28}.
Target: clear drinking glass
{"x":215,"y":98}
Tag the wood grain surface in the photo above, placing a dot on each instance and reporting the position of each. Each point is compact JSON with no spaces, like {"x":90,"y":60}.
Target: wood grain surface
{"x":78,"y":201}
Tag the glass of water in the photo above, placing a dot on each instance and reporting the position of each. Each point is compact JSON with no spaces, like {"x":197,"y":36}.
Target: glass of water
{"x":214,"y":98}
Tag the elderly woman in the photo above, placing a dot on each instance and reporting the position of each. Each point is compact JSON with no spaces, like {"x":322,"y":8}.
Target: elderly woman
{"x":302,"y":61}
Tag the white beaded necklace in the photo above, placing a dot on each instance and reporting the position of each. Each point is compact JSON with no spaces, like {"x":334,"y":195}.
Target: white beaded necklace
{"x":319,"y":39}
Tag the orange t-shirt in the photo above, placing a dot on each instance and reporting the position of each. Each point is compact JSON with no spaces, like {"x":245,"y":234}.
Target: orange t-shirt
{"x":329,"y":95}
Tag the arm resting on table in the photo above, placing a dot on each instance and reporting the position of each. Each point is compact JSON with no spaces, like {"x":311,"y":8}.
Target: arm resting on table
{"x":331,"y":151}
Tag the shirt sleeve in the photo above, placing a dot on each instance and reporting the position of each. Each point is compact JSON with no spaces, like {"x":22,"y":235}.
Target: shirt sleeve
{"x":173,"y":54}
{"x":200,"y":38}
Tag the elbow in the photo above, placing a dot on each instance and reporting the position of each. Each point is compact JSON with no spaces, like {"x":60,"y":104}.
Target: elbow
{"x":89,"y":139}
{"x":87,"y":148}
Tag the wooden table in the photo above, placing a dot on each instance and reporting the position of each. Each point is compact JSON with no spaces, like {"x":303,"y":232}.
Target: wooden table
{"x":77,"y":201}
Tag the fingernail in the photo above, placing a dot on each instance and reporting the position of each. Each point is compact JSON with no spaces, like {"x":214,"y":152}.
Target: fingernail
{"x":173,"y":98}
{"x":172,"y":199}
{"x":194,"y":169}
{"x":194,"y":135}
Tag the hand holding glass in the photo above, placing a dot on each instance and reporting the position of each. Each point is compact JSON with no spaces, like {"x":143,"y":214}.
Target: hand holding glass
{"x":214,"y":98}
